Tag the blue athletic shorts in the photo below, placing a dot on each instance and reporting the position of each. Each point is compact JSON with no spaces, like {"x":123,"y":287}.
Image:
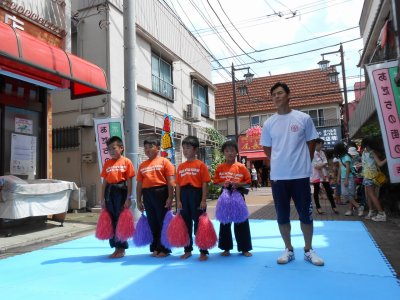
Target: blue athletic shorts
{"x":297,"y":189}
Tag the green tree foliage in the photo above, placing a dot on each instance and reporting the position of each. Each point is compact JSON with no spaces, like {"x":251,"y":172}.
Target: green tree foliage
{"x":217,"y":158}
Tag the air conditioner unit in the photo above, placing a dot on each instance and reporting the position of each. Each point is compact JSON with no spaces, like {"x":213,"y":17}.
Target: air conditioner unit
{"x":193,"y":113}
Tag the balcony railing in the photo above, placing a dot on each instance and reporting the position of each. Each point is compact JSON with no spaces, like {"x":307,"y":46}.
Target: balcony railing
{"x":162,"y":87}
{"x":326,"y":123}
{"x":205,"y":108}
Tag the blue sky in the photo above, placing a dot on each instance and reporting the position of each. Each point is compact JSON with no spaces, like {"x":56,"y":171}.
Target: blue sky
{"x":262,"y":24}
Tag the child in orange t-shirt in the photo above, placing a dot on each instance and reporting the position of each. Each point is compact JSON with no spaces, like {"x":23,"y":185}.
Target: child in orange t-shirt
{"x":155,"y":182}
{"x":192,"y":180}
{"x":232,"y":174}
{"x":117,"y":188}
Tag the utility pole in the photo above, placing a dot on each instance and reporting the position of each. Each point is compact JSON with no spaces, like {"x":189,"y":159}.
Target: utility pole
{"x":346,"y":103}
{"x":130,"y":87}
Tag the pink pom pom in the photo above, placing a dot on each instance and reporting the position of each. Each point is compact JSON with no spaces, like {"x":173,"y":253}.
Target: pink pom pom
{"x":177,"y":232}
{"x":104,"y":228}
{"x":164,"y":232}
{"x":143,"y":235}
{"x":206,"y":238}
{"x":126,"y":225}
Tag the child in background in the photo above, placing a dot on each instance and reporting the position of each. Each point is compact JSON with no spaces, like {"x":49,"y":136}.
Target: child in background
{"x":336,"y":184}
{"x":192,"y":180}
{"x":155,"y":182}
{"x":232,"y":174}
{"x":346,"y":178}
{"x":370,"y":165}
{"x":116,"y":190}
{"x":254,"y":178}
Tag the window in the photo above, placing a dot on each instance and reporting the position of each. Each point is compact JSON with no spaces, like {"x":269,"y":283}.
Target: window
{"x":65,"y":138}
{"x":161,"y":77}
{"x":255,"y":120}
{"x":200,"y":98}
{"x":317,"y":115}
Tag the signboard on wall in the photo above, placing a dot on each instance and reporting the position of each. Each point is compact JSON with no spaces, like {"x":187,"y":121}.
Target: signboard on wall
{"x":23,"y":155}
{"x":106,"y":128}
{"x":387,"y":101}
{"x":167,"y":139}
{"x":23,"y":126}
{"x":331,"y":136}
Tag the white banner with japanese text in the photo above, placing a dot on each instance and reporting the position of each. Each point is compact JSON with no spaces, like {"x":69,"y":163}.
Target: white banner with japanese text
{"x":387,"y":101}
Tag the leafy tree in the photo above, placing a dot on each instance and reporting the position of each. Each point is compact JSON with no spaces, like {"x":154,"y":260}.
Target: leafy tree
{"x":217,"y":158}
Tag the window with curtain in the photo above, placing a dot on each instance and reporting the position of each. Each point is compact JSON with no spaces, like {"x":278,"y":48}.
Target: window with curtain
{"x":200,"y":98}
{"x":161,"y":77}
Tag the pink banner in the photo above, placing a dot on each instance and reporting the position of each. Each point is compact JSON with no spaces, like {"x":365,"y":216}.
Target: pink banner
{"x":389,"y":110}
{"x":103,"y":131}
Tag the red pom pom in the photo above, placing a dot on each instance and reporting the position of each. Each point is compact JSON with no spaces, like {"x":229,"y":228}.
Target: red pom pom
{"x":104,"y":228}
{"x":126,"y":225}
{"x":206,"y":237}
{"x":177,"y":232}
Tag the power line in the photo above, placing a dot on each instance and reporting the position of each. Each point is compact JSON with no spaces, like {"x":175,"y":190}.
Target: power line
{"x":298,"y":53}
{"x":229,"y":33}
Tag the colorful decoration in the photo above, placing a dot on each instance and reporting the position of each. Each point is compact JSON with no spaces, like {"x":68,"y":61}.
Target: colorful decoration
{"x":177,"y":232}
{"x":254,"y":131}
{"x":231,"y":207}
{"x":164,"y":232}
{"x":143,"y":235}
{"x":167,"y":139}
{"x":206,"y":237}
{"x":126,"y":225}
{"x":104,"y":228}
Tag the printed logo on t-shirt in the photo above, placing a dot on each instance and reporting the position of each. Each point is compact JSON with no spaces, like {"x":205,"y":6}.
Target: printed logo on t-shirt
{"x":115,"y":169}
{"x":294,"y":127}
{"x":189,"y":172}
{"x":235,"y":177}
{"x":151,"y":168}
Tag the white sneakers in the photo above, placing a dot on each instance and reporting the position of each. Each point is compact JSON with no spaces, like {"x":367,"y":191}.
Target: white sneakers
{"x":310,"y":256}
{"x":380,"y":217}
{"x":371,"y":213}
{"x":285,"y":257}
{"x":313,"y":258}
{"x":360,"y":210}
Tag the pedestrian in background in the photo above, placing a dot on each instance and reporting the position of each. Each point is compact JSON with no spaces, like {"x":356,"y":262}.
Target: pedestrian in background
{"x":370,"y":166}
{"x":320,"y":176}
{"x":288,"y":140}
{"x":346,"y":177}
{"x":233,"y":174}
{"x":254,"y":177}
{"x":192,"y":178}
{"x":155,"y":182}
{"x":117,"y":174}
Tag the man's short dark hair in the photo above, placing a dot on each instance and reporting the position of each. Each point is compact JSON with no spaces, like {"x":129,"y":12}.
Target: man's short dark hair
{"x":319,"y":141}
{"x":282,"y":85}
{"x":153,"y":141}
{"x":115,"y":139}
{"x":191,"y":140}
{"x":228,"y":144}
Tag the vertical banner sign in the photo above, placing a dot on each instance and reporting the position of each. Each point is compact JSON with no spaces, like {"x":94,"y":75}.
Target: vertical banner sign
{"x":106,"y":128}
{"x":167,"y":139}
{"x":387,"y":101}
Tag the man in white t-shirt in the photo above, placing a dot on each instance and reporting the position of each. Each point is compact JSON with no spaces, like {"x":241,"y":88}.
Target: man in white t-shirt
{"x":288,"y":140}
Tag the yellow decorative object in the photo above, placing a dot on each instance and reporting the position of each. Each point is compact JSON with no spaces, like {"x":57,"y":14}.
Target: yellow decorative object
{"x":166,"y":141}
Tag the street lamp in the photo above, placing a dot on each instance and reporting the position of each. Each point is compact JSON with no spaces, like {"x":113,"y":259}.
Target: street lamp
{"x":333,"y":78}
{"x":242,"y":91}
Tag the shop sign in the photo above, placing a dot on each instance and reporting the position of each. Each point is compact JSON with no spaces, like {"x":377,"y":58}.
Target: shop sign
{"x":49,"y":14}
{"x":250,"y":143}
{"x":167,"y":139}
{"x":387,"y":101}
{"x":330,"y":135}
{"x":23,"y":126}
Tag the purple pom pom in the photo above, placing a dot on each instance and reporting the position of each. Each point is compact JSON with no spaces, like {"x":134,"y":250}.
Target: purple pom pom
{"x":143,"y":235}
{"x":231,"y":208}
{"x":164,"y":232}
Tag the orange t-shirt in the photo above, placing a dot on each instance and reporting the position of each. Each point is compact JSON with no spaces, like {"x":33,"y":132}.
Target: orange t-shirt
{"x":115,"y":171}
{"x":154,"y":172}
{"x":236,"y":172}
{"x":193,"y":173}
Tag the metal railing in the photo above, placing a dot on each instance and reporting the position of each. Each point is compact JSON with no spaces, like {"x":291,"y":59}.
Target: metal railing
{"x":162,"y":87}
{"x":326,"y":122}
{"x":205,"y":108}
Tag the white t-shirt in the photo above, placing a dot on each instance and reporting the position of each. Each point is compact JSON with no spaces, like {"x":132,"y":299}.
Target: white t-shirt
{"x":288,"y":135}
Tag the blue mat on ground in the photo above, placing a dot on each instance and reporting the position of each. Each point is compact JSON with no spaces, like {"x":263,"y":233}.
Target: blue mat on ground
{"x":354,"y":269}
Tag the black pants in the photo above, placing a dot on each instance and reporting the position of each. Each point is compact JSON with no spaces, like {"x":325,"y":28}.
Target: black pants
{"x":154,"y":200}
{"x":329,"y":193}
{"x":242,"y":236}
{"x":115,"y":196}
{"x":191,"y":198}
